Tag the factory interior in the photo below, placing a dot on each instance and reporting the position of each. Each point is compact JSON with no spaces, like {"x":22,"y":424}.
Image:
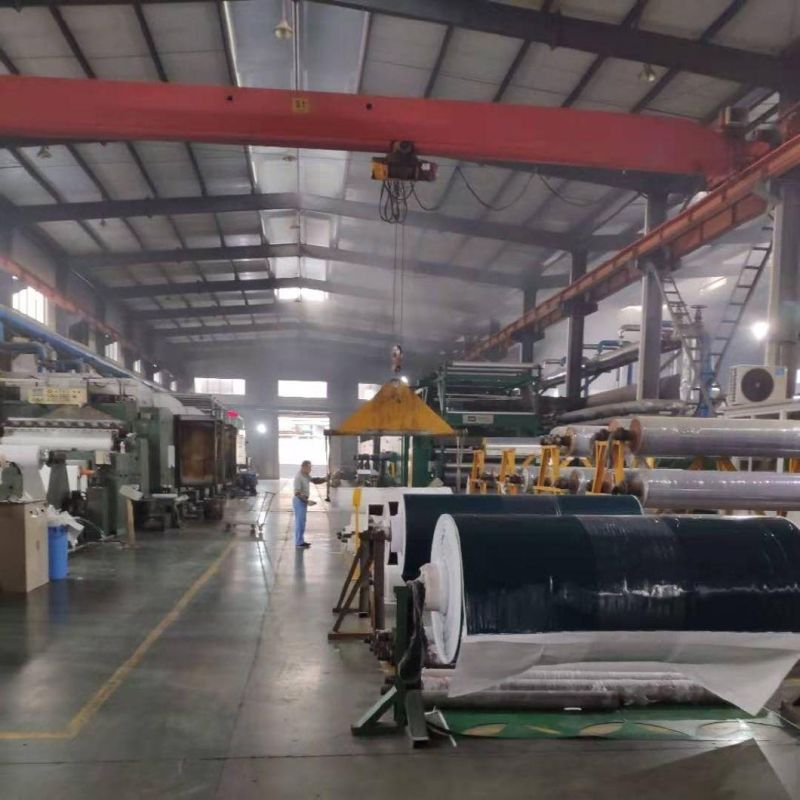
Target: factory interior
{"x":399,"y":397}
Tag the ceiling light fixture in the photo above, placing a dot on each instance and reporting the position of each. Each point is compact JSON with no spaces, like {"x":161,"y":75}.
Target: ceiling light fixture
{"x":648,"y":74}
{"x":284,"y":29}
{"x":760,"y":330}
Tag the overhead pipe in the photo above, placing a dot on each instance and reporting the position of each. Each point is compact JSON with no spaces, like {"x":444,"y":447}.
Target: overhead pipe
{"x":33,"y":348}
{"x":29,"y":327}
{"x":624,"y":410}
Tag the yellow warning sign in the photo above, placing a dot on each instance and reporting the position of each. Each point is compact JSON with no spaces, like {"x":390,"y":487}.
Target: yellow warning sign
{"x":301,"y":105}
{"x":57,"y":396}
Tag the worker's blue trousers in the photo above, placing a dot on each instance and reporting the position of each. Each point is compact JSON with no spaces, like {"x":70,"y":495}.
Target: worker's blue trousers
{"x":300,"y":510}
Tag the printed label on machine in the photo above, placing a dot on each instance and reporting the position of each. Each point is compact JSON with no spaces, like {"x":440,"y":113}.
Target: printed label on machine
{"x":58,"y":395}
{"x":477,"y":419}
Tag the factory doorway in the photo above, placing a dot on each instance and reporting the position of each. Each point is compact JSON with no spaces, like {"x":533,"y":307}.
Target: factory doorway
{"x":302,"y":437}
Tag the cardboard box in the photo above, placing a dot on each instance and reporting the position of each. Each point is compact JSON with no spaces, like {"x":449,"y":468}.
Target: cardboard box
{"x":24,"y":560}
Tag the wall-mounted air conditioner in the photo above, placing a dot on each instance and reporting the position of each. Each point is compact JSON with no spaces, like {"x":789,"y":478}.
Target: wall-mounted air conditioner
{"x":751,"y":384}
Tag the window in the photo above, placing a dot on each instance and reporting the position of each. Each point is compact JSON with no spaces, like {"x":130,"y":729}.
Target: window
{"x":220,"y":386}
{"x":30,"y":303}
{"x":173,"y":386}
{"x":158,"y":377}
{"x":295,"y":293}
{"x":112,"y":351}
{"x":366,"y":391}
{"x":313,"y":389}
{"x":137,"y":365}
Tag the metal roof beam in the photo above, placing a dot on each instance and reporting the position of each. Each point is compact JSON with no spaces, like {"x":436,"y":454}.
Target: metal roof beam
{"x":95,"y":261}
{"x":591,"y":36}
{"x":290,"y":201}
{"x":365,"y":335}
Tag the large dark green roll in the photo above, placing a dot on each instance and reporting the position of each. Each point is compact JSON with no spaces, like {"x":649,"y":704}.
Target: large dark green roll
{"x":420,"y":512}
{"x":528,"y":574}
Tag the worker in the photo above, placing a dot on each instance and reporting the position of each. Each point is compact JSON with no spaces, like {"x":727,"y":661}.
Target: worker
{"x":301,"y":501}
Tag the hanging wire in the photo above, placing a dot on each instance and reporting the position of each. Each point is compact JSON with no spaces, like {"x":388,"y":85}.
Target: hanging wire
{"x":402,"y":277}
{"x":394,"y":284}
{"x":568,"y":200}
{"x":393,"y":205}
{"x":503,"y":206}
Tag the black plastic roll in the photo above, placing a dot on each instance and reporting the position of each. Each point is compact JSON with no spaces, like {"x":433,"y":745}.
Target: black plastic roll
{"x":423,"y":510}
{"x":526,"y":574}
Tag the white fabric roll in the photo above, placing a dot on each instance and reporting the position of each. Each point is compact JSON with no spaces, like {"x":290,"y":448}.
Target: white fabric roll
{"x":59,"y":438}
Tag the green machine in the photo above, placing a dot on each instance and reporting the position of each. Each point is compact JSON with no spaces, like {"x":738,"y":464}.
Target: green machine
{"x":480,"y":399}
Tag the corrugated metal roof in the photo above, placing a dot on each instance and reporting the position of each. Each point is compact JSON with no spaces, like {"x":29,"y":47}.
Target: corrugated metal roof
{"x":399,"y":58}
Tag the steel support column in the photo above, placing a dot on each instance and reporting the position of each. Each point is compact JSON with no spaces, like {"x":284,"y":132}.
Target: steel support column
{"x":650,"y":335}
{"x":784,"y":300}
{"x":575,"y":328}
{"x":528,"y":339}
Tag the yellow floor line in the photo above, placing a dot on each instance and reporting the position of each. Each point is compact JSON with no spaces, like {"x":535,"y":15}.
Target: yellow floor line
{"x":99,"y":698}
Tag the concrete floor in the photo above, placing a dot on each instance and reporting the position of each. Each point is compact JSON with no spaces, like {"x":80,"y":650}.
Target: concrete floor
{"x":108,"y":690}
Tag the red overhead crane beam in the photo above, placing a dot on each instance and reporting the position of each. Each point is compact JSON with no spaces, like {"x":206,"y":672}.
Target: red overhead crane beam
{"x":732,"y":203}
{"x":57,"y":109}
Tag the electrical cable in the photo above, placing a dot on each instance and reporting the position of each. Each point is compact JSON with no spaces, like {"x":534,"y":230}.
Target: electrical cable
{"x":485,"y":203}
{"x":393,"y":204}
{"x":567,"y":200}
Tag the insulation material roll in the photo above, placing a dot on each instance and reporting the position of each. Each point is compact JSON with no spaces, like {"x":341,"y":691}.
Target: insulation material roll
{"x":381,"y":503}
{"x":414,"y":525}
{"x":522,"y":447}
{"x":581,"y":440}
{"x":59,"y":438}
{"x":557,"y":689}
{"x":750,"y":491}
{"x":23,"y":455}
{"x":578,"y":480}
{"x":714,"y":598}
{"x":701,"y":436}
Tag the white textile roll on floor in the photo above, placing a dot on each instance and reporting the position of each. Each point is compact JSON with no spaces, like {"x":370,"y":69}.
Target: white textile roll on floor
{"x":728,"y":491}
{"x":714,"y":437}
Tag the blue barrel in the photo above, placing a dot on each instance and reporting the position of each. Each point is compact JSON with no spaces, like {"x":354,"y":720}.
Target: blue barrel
{"x":57,"y":548}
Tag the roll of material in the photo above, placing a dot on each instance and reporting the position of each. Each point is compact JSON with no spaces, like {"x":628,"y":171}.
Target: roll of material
{"x":560,"y":689}
{"x":701,"y":436}
{"x":578,"y":480}
{"x":59,"y":438}
{"x":728,"y":491}
{"x":23,"y":455}
{"x":717,"y":597}
{"x":522,"y":447}
{"x":415,"y":522}
{"x":580,"y":440}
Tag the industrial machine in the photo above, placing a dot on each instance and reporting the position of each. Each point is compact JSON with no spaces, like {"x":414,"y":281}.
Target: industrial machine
{"x":479,"y":400}
{"x":100,"y":434}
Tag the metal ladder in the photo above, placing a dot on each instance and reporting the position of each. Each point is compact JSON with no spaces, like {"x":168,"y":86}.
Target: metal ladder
{"x":683,"y":325}
{"x":757,"y":259}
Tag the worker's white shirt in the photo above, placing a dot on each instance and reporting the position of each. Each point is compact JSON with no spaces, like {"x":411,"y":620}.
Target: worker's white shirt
{"x":302,"y":485}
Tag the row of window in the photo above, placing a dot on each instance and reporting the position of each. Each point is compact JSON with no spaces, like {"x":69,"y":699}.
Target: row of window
{"x":317,"y":390}
{"x":33,"y":304}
